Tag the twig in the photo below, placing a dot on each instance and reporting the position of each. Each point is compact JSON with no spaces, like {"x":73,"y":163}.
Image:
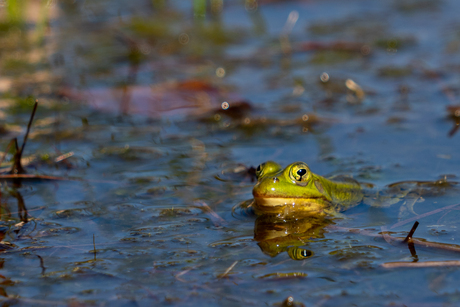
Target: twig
{"x":29,"y":125}
{"x":423,"y":243}
{"x":424,"y":264}
{"x":17,"y":166}
{"x":423,"y":215}
{"x":442,"y":216}
{"x":454,"y":129}
{"x":185,"y":272}
{"x":42,"y":264}
{"x":411,"y":232}
{"x":63,"y":156}
{"x":216,"y":219}
{"x":227,"y":270}
{"x":417,"y":242}
{"x":385,"y":235}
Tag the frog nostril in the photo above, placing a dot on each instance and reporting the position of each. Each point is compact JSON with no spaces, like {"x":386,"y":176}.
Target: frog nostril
{"x":275,"y":179}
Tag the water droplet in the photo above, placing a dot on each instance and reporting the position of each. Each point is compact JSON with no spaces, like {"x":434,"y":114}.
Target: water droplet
{"x":220,"y":72}
{"x":184,"y":38}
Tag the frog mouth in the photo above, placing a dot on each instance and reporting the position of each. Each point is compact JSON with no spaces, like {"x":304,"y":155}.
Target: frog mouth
{"x":312,"y":203}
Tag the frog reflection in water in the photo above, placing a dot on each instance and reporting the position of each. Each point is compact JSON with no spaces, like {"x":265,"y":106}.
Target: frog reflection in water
{"x":276,"y":235}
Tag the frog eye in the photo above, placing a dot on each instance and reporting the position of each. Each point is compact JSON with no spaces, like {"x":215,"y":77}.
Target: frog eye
{"x":269,"y":167}
{"x":300,"y":173}
{"x":299,"y":253}
{"x":259,"y":170}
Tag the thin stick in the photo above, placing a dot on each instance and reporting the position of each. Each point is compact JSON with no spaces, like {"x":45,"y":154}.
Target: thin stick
{"x":411,"y":232}
{"x":42,"y":264}
{"x":29,"y":125}
{"x":228,"y":270}
{"x":15,"y":142}
{"x":453,"y":130}
{"x":216,"y":219}
{"x":424,"y":264}
{"x":17,"y":166}
{"x":423,"y":215}
{"x":417,"y":242}
{"x":178,"y":276}
{"x":423,"y":243}
{"x":385,"y":234}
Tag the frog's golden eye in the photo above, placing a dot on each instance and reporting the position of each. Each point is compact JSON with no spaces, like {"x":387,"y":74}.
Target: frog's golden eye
{"x":299,"y":253}
{"x":300,"y":173}
{"x":269,"y":167}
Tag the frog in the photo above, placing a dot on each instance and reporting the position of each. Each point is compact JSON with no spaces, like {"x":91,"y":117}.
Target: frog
{"x":295,"y":189}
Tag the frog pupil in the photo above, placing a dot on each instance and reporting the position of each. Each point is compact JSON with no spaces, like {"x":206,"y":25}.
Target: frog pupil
{"x":301,"y":172}
{"x":258,"y":168}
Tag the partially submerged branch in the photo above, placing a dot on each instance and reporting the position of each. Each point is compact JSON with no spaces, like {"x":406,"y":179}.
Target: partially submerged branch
{"x":29,"y":125}
{"x":424,"y":264}
{"x":389,"y":239}
{"x":411,"y":232}
{"x":17,"y":166}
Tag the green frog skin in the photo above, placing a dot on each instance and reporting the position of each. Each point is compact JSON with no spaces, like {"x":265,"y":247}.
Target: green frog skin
{"x":296,"y":190}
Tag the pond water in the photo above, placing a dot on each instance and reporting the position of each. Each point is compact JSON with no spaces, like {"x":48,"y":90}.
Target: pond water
{"x":152,"y":116}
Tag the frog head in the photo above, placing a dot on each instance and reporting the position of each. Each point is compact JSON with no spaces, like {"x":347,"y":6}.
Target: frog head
{"x":294,"y":186}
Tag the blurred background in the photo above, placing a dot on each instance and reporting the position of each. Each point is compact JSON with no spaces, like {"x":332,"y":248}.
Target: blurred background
{"x":153,"y":114}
